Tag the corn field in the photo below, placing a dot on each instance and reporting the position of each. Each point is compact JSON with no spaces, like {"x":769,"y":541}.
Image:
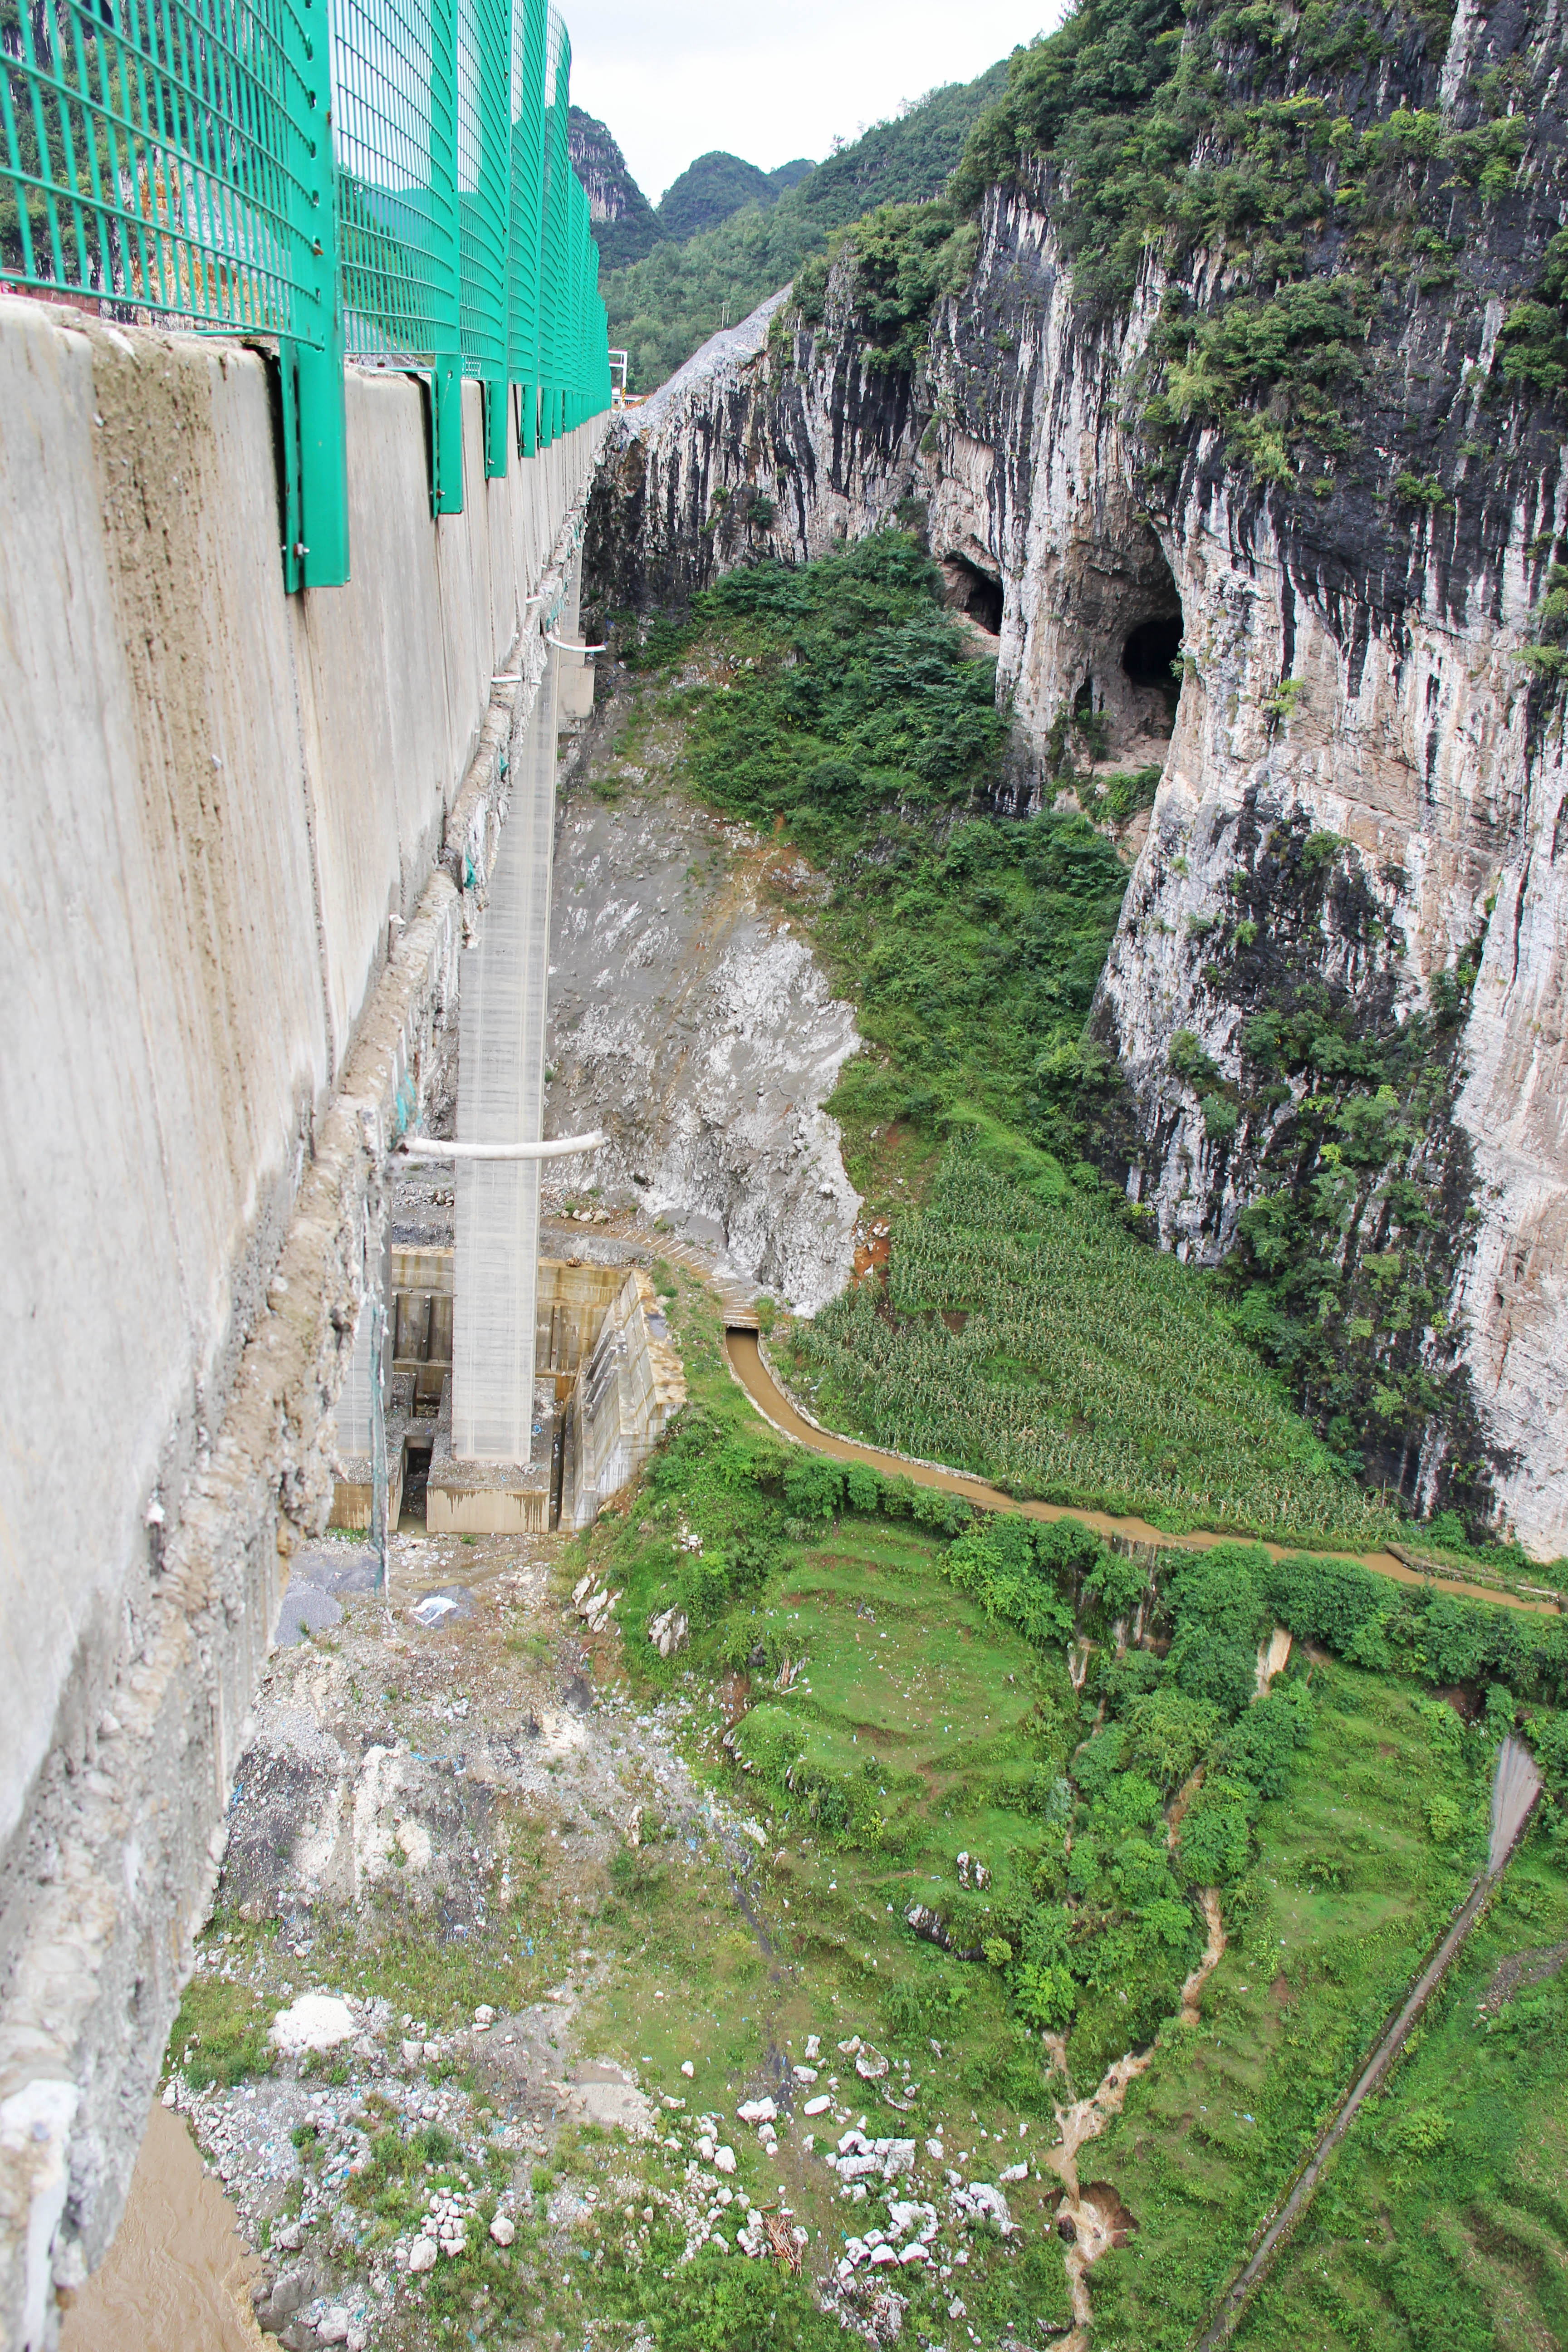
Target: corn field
{"x":1091,"y":1370}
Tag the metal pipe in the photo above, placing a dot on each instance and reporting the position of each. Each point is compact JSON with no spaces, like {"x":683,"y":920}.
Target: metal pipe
{"x":561,"y":645}
{"x":425,"y":1146}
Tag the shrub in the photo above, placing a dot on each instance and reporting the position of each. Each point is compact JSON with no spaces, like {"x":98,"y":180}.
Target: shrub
{"x":865,"y":1487}
{"x":1044,"y":1994}
{"x":714,"y":2305}
{"x":814,"y":1487}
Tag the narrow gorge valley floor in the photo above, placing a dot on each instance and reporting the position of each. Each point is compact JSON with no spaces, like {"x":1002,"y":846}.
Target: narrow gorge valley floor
{"x":993,"y":1969}
{"x":807,"y":1902}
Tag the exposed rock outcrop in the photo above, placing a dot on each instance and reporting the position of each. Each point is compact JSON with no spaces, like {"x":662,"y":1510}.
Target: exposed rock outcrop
{"x":626,"y":225}
{"x":708,"y":1058}
{"x":1361,"y":819}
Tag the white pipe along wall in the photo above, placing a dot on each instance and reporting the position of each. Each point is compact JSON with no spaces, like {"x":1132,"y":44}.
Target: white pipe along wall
{"x":246,"y":836}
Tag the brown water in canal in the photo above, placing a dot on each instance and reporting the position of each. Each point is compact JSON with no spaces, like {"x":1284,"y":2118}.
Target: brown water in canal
{"x":177,"y":2277}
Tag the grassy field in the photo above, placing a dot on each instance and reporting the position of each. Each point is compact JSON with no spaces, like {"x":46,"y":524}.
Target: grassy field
{"x":1443,"y":2226}
{"x":884,"y":1696}
{"x":1042,"y":1344}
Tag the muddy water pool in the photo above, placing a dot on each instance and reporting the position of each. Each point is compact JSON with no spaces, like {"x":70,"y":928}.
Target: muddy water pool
{"x":178,"y":2276}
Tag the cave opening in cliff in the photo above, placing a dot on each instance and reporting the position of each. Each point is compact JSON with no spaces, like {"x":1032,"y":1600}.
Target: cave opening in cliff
{"x":1150,"y":654}
{"x":974,"y":591}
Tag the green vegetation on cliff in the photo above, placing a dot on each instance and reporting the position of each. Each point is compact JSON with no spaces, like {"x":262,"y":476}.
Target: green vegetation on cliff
{"x":1266,"y":132}
{"x":839,"y":707}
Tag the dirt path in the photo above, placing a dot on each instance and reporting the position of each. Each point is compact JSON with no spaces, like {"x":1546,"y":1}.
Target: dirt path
{"x":746,"y":1361}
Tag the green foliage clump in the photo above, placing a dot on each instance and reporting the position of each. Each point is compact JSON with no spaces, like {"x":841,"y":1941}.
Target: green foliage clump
{"x":1221,"y":1616}
{"x":897,"y":263}
{"x":845,"y":704}
{"x":1416,"y":1630}
{"x":1532,"y":343}
{"x":717,"y":2305}
{"x":1006,"y":1566}
{"x":220,"y":2033}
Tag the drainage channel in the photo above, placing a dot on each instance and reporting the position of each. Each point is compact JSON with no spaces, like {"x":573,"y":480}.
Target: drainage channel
{"x":742,"y":1348}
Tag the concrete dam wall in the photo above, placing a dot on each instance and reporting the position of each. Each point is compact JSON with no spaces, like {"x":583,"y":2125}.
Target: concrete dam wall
{"x":247,"y":837}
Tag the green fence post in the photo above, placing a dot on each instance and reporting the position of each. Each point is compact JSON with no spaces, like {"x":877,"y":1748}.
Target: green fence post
{"x":446,"y":367}
{"x":530,"y":40}
{"x":496,"y":389}
{"x":494,"y":207}
{"x":315,"y":441}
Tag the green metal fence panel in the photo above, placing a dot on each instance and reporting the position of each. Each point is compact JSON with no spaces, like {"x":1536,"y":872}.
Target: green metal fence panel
{"x":311,"y":362}
{"x":529,"y":31}
{"x":393,"y":117}
{"x":151,"y":158}
{"x":553,"y":274}
{"x":484,"y":156}
{"x":388,"y":179}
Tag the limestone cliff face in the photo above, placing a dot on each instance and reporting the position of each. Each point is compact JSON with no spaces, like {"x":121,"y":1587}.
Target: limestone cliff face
{"x":626,"y":225}
{"x":1361,"y":820}
{"x":689,"y":1019}
{"x":762,"y":444}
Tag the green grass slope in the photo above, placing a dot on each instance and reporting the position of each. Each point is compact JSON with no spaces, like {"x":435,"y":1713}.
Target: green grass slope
{"x":880,"y":1682}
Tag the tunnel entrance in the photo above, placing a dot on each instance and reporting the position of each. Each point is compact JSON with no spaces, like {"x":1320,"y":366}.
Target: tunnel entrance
{"x":1149,"y":655}
{"x":971,"y":591}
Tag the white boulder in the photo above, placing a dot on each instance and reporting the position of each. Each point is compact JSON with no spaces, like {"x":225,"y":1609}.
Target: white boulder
{"x":668,"y":1632}
{"x":315,"y":2022}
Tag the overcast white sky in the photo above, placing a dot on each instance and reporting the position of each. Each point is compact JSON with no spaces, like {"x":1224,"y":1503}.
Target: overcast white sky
{"x":771,"y":82}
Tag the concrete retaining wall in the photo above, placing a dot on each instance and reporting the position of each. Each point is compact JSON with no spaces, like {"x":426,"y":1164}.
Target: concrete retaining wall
{"x":244,"y":838}
{"x":628,"y":1390}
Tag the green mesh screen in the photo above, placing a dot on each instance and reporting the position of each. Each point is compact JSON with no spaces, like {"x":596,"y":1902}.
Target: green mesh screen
{"x":174,"y":159}
{"x":393,"y":88}
{"x":150,"y":157}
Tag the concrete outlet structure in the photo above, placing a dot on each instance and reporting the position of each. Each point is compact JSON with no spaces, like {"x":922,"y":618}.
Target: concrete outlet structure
{"x":257,"y":847}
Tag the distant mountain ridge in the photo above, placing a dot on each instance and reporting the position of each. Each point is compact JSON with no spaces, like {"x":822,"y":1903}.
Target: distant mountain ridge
{"x":668,"y":298}
{"x":708,"y":193}
{"x":716,"y":186}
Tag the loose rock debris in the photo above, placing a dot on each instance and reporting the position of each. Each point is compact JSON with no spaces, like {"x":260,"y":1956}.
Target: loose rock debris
{"x":397,"y":1775}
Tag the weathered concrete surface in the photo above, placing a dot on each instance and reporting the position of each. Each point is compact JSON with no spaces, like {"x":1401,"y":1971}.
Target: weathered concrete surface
{"x":215,"y":797}
{"x":628,"y":1391}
